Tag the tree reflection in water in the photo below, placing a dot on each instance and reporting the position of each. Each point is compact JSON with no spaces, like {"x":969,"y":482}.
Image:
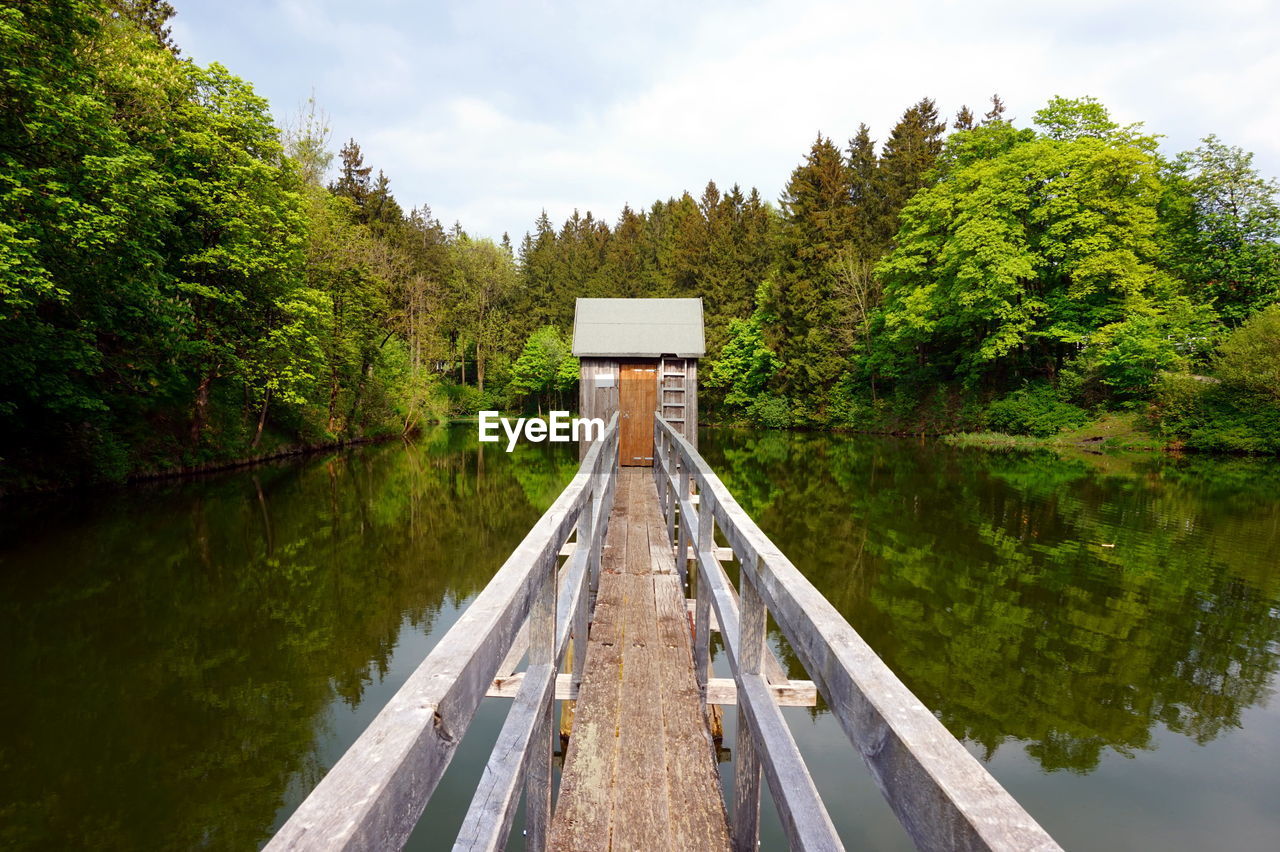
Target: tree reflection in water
{"x":1068,"y":603}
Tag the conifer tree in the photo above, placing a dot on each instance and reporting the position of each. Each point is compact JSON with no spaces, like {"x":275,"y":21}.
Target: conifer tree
{"x":819,"y":225}
{"x":864,"y":191}
{"x":996,"y":113}
{"x":381,"y":207}
{"x":353,"y":180}
{"x":964,"y":119}
{"x":910,"y":152}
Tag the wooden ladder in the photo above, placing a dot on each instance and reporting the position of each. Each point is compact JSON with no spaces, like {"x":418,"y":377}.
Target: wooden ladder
{"x":673,"y":378}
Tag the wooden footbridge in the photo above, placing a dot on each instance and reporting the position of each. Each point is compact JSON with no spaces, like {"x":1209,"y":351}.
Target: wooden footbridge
{"x":605,"y":571}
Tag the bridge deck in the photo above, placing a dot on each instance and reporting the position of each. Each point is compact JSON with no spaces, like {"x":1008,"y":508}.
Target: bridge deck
{"x":640,"y":771}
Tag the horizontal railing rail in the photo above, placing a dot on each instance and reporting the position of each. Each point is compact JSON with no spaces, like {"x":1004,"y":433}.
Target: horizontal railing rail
{"x":374,"y":795}
{"x":944,"y":798}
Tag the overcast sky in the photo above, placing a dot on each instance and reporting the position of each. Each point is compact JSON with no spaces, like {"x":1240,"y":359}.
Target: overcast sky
{"x":491,"y":112}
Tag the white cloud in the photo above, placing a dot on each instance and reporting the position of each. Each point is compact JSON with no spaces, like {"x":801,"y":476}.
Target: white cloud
{"x":491,"y":112}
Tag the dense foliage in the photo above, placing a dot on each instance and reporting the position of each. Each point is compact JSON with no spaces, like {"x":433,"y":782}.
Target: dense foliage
{"x":181,"y":283}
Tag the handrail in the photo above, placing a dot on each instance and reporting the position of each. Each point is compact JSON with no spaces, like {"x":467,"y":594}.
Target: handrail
{"x":373,"y":796}
{"x":944,"y":798}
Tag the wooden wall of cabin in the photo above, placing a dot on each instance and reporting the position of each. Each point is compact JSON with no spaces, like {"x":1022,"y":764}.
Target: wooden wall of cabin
{"x":603,"y":402}
{"x":593,"y":401}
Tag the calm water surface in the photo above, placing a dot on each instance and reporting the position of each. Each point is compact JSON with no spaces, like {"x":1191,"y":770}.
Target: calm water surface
{"x":183,"y":662}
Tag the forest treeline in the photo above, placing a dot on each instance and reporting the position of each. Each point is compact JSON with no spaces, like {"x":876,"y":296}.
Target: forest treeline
{"x":181,"y":282}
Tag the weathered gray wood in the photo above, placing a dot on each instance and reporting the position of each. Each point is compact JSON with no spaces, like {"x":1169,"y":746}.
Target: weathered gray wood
{"x":724,"y":554}
{"x":774,"y":672}
{"x":720,"y":690}
{"x":493,"y":807}
{"x":746,"y":789}
{"x":684,"y":539}
{"x":373,"y":796}
{"x":753,"y":620}
{"x":941,"y":794}
{"x":542,"y":656}
{"x":584,"y":811}
{"x":640,"y":771}
{"x":800,"y":808}
{"x":692,"y":605}
{"x":702,"y":626}
{"x":593,"y":401}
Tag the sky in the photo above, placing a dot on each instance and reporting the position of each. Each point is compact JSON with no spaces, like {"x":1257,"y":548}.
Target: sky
{"x":494,"y":111}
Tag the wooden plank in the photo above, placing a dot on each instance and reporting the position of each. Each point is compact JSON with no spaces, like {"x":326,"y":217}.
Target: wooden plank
{"x":642,"y":816}
{"x":666,"y":792}
{"x":698,"y":819}
{"x":691,"y":605}
{"x":800,"y":808}
{"x":543,"y":663}
{"x":584,"y":811}
{"x":752,"y":744}
{"x":493,"y":807}
{"x":720,"y":690}
{"x":724,"y":554}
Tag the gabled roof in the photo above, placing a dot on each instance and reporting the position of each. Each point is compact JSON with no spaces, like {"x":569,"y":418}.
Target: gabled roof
{"x":638,"y":328}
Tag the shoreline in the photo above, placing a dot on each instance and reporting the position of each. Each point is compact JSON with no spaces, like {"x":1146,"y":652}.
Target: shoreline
{"x":146,"y":476}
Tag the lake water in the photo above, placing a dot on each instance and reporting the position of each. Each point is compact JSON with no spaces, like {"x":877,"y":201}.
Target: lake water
{"x":183,"y":661}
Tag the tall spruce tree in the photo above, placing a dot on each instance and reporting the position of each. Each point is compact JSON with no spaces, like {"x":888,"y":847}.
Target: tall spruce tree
{"x":819,"y":223}
{"x":909,"y":153}
{"x":996,"y":113}
{"x":353,"y":178}
{"x":864,"y":193}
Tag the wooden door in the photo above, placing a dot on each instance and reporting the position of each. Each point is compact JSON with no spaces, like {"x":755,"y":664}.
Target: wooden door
{"x":637,"y":400}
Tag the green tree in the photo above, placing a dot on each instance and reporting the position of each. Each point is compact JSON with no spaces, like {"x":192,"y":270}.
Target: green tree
{"x":909,"y":154}
{"x":1249,"y":359}
{"x":819,"y":222}
{"x":483,"y":281}
{"x":353,"y":176}
{"x":545,"y":368}
{"x":1224,"y":224}
{"x":1010,"y":264}
{"x":745,"y":366}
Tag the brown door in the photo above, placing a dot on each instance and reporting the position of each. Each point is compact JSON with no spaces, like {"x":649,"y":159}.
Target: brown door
{"x":637,"y":400}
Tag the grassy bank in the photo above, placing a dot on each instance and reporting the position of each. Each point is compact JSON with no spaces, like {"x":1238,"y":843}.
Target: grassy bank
{"x":1125,"y":432}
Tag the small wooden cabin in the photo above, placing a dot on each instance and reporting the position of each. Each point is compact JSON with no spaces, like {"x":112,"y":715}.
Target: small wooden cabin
{"x":639,"y":356}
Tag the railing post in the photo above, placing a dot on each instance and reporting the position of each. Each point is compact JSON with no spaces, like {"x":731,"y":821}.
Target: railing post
{"x":752,"y":620}
{"x":599,"y":491}
{"x":587,"y":540}
{"x":673,"y":503}
{"x":682,"y":544}
{"x":659,"y":465}
{"x":702,"y":609}
{"x":542,"y":652}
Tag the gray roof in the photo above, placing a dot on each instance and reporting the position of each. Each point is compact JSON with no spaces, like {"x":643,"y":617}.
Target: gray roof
{"x":638,"y":328}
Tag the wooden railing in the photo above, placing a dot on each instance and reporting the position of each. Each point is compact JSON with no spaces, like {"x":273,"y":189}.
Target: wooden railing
{"x":942,"y":796}
{"x":373,"y":796}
